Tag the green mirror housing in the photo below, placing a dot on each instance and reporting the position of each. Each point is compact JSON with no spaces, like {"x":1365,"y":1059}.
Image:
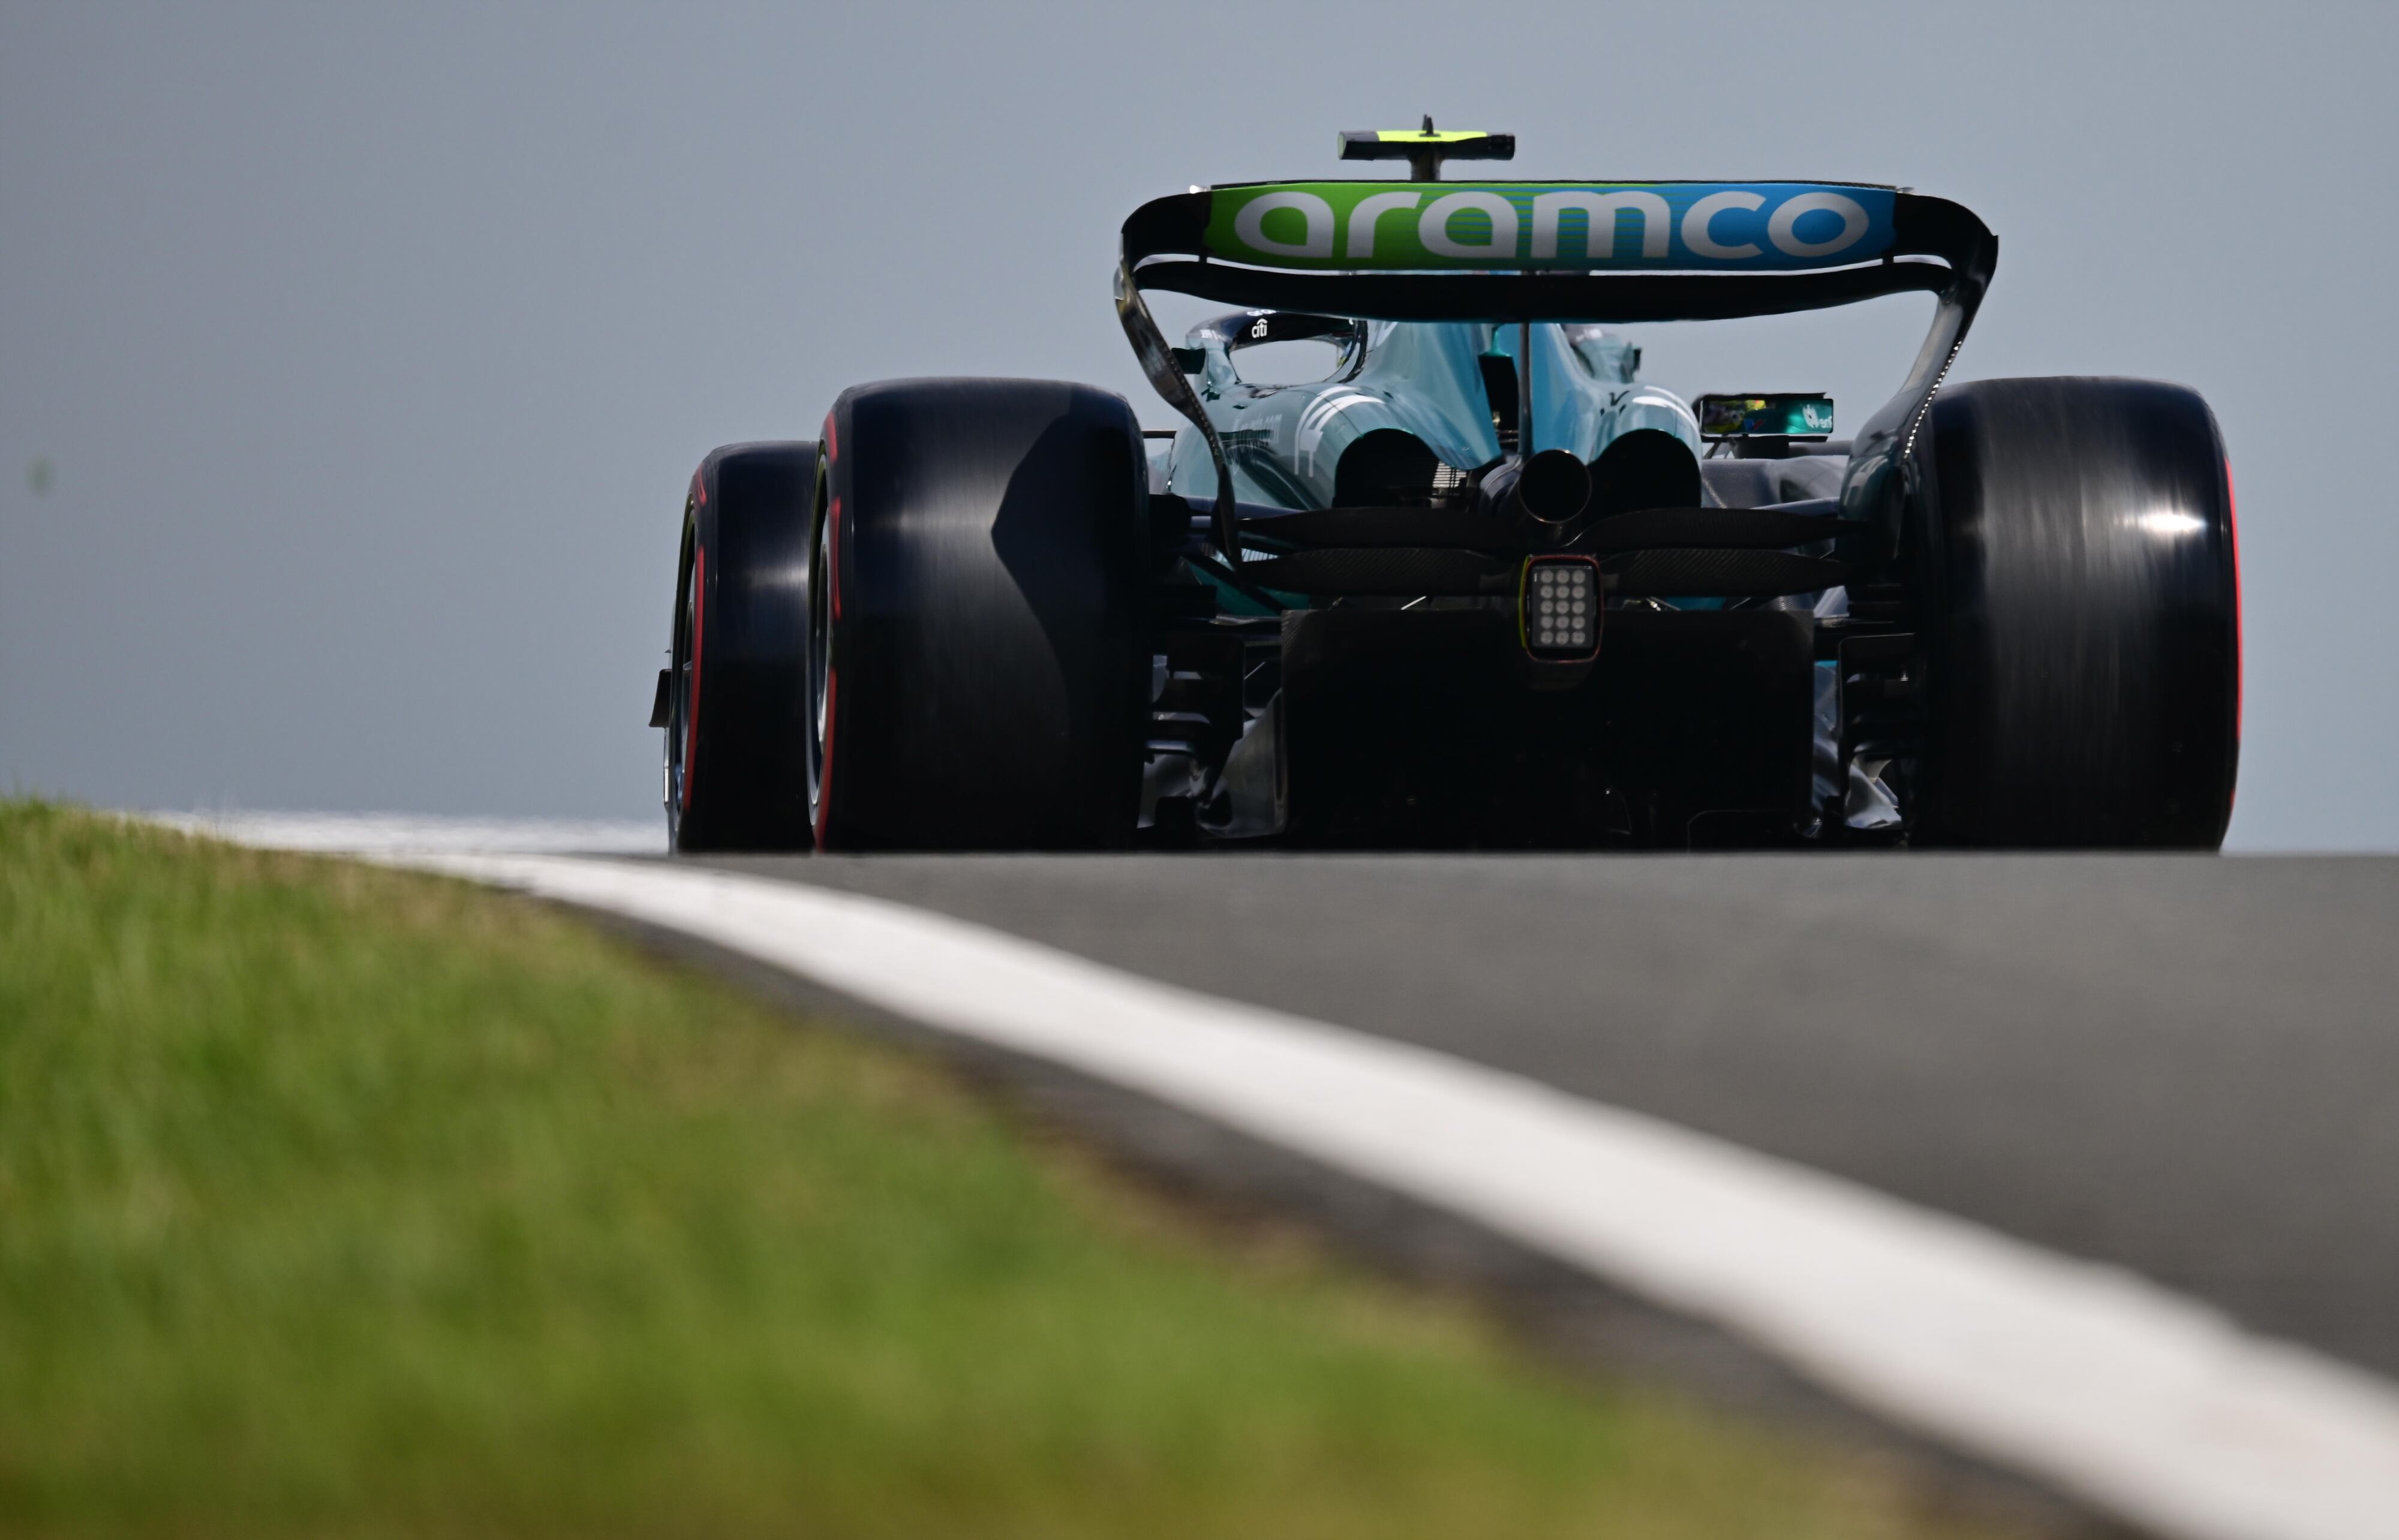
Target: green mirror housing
{"x":1785,"y":416}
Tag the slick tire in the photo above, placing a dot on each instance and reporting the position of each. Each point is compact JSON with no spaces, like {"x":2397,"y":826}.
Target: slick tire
{"x":734,"y":698}
{"x":2082,"y":673}
{"x":979,"y":628}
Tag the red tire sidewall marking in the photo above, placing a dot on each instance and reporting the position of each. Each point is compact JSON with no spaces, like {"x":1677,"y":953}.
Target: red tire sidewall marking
{"x":2240,"y":659}
{"x":691,"y":701}
{"x":2240,"y":652}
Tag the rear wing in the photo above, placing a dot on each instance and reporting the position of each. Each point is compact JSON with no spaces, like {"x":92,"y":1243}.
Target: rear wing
{"x":1555,"y":251}
{"x":1549,"y":251}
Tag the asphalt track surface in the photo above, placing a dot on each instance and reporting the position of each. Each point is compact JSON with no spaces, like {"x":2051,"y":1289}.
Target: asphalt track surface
{"x":2186,"y":1065}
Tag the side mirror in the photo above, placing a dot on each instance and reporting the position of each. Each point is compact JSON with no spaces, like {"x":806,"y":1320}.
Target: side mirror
{"x":1765,"y":416}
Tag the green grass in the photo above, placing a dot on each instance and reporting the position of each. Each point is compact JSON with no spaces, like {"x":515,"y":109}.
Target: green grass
{"x":336,"y":1201}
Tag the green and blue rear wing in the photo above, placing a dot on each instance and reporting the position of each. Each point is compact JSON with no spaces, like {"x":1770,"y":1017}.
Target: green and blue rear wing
{"x":1602,"y":225}
{"x":1598,"y":252}
{"x":1560,"y":252}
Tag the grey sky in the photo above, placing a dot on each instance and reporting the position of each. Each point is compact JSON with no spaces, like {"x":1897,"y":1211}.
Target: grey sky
{"x":368,"y":347}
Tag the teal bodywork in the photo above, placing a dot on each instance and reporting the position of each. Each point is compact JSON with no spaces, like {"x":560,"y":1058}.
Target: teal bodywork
{"x":1285,"y":441}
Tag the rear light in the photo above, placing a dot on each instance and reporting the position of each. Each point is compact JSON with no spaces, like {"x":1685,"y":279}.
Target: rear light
{"x":1557,"y":608}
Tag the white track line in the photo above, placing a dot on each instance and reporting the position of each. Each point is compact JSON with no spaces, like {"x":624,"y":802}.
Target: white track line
{"x":2145,"y":1403}
{"x":364,"y":833}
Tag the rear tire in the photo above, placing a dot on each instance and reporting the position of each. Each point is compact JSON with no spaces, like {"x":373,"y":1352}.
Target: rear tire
{"x":2081,"y":615}
{"x":736,"y":691}
{"x":981,"y":631}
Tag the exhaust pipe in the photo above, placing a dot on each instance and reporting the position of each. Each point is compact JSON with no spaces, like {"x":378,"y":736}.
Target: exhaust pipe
{"x":1552,"y":487}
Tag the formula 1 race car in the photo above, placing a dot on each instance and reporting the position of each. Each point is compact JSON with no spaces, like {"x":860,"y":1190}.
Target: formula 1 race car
{"x":1480,"y":587}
